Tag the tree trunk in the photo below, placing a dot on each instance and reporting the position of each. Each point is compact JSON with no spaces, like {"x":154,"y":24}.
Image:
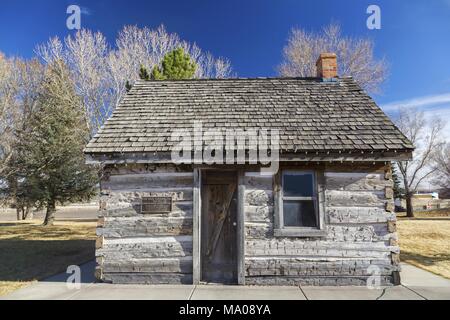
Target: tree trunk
{"x":50,"y":214}
{"x":409,"y":206}
{"x":12,"y":182}
{"x":28,"y":215}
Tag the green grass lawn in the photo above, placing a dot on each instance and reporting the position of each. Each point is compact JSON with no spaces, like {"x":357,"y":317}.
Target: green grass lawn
{"x":30,"y":252}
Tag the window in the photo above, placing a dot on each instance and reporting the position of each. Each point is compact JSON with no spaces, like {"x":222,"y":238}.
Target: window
{"x":299,"y":208}
{"x":299,"y":200}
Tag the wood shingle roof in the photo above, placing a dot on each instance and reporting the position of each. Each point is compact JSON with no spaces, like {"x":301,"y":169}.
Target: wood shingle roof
{"x":311,"y":115}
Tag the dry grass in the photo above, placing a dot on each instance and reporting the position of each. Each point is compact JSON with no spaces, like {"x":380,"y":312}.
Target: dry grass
{"x":29,"y":251}
{"x":441,"y":213}
{"x":425,"y":243}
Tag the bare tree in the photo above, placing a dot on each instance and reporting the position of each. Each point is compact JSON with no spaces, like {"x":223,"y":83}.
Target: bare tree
{"x":86,"y":55}
{"x":426,"y":136}
{"x":100,"y":73}
{"x":19,"y":87}
{"x":441,"y":160}
{"x":136,"y":47}
{"x":355,"y":56}
{"x":8,"y":91}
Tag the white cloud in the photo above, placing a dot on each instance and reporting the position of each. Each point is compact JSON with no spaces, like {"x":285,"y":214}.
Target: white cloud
{"x":431,"y":106}
{"x":420,"y":102}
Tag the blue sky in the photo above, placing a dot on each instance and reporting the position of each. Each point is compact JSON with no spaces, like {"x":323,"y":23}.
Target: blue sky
{"x":414,"y":38}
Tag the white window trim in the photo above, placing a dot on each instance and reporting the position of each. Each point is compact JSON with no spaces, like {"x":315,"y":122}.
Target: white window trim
{"x":319,"y":203}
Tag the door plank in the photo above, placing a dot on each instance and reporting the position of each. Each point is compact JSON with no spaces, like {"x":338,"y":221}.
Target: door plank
{"x":221,"y":219}
{"x":218,"y":232}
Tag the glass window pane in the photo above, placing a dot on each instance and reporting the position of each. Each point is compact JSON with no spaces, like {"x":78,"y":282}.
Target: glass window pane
{"x":299,"y":214}
{"x":298,"y":184}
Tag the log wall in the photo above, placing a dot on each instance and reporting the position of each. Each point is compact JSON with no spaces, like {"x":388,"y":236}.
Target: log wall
{"x":145,"y":248}
{"x":158,"y":248}
{"x":360,"y":233}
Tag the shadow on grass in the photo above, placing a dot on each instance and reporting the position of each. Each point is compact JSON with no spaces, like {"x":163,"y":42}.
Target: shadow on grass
{"x":424,"y":219}
{"x":423,"y":259}
{"x":427,"y":215}
{"x":29,"y":260}
{"x":12,"y":224}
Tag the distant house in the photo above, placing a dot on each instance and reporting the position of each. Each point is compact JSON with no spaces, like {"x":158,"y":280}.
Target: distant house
{"x":325,"y":217}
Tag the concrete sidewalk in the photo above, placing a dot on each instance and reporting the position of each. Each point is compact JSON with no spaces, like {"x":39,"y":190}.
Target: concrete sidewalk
{"x":417,"y":285}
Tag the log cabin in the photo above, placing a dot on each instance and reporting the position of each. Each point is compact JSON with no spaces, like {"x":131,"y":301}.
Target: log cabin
{"x":317,"y":210}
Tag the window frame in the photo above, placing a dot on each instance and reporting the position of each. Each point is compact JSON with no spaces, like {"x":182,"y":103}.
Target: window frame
{"x":318,"y":199}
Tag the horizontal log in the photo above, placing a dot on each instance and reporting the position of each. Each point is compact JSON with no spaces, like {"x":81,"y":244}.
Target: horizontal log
{"x":258,"y":213}
{"x":257,"y":173}
{"x":317,"y":250}
{"x":153,"y":265}
{"x":349,"y":181}
{"x":258,"y":230}
{"x":151,"y":175}
{"x":279,"y":266}
{"x":315,"y":280}
{"x":259,"y":197}
{"x":147,"y":181}
{"x":141,"y":248}
{"x":351,"y":233}
{"x":258,"y":182}
{"x":358,"y":215}
{"x":140,"y":240}
{"x":179,"y":209}
{"x":135,"y":197}
{"x":145,"y":226}
{"x":145,"y":188}
{"x":320,"y":254}
{"x":132,"y":200}
{"x":147,"y":278}
{"x":146,"y":168}
{"x":358,"y":233}
{"x":335,"y":198}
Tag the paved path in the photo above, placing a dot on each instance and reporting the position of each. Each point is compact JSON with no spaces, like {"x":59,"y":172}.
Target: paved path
{"x":417,"y":285}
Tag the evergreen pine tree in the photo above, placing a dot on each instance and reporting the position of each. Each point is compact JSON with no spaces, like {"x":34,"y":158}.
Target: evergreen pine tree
{"x":176,"y":65}
{"x":143,"y":73}
{"x":399,"y":192}
{"x":50,"y":151}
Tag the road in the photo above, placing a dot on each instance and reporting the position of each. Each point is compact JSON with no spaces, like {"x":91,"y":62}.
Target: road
{"x":71,"y":212}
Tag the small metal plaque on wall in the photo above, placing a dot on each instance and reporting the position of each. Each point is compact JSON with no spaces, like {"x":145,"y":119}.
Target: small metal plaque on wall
{"x":156,"y":205}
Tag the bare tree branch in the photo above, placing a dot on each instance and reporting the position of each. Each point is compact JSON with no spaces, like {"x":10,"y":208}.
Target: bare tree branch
{"x":426,"y":136}
{"x":355,"y":56}
{"x":441,"y":161}
{"x":100,"y":72}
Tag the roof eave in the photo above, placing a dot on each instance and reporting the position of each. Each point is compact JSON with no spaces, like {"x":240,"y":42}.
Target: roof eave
{"x":166,"y":157}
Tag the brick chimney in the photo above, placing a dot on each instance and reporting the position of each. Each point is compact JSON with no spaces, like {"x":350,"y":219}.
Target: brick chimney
{"x":327,"y":66}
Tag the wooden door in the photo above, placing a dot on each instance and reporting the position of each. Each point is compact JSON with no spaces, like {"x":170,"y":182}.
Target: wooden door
{"x":219,"y":225}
